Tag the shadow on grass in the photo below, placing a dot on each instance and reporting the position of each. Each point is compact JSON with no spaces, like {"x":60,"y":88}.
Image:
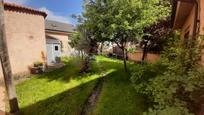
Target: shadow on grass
{"x":69,"y":102}
{"x":72,"y":69}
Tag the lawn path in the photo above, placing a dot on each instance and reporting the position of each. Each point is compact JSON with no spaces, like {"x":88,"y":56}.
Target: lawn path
{"x":118,"y":96}
{"x":93,"y":98}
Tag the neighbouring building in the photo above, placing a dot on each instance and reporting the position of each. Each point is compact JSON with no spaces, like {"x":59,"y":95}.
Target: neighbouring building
{"x":25,"y":35}
{"x":188,"y":18}
{"x":57,"y":40}
{"x":31,"y":38}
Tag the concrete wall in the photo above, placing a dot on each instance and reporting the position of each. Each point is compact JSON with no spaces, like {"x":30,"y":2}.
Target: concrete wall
{"x":25,"y":39}
{"x":67,"y":50}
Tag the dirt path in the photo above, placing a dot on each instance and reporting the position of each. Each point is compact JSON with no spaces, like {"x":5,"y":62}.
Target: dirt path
{"x":93,"y":98}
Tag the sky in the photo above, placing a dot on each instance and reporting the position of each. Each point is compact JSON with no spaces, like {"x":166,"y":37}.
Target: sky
{"x":58,"y":10}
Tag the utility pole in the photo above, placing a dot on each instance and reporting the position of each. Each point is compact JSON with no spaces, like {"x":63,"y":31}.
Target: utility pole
{"x":6,"y":67}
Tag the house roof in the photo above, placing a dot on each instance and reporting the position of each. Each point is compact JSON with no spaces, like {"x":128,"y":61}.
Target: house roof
{"x":59,"y":26}
{"x":16,"y":7}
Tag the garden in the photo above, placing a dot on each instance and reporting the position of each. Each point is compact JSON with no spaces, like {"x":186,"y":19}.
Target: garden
{"x":172,"y":85}
{"x":92,"y":83}
{"x":65,"y":91}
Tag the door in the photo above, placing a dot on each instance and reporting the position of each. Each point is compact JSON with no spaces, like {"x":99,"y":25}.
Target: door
{"x":53,"y":51}
{"x":49,"y":54}
{"x":56,"y":52}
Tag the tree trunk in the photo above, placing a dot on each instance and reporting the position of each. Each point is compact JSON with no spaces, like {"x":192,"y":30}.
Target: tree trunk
{"x":81,"y":54}
{"x":125,"y":59}
{"x":6,"y":67}
{"x":144,"y":52}
{"x":101,"y":48}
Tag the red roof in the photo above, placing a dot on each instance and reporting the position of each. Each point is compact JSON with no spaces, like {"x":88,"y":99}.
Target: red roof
{"x":16,"y":7}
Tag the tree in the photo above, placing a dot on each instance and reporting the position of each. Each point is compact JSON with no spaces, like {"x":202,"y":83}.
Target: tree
{"x":157,"y":37}
{"x":84,"y":42}
{"x":5,"y":63}
{"x":75,"y":43}
{"x":122,"y":21}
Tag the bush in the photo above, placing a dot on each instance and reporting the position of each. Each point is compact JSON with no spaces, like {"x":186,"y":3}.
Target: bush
{"x":132,"y":50}
{"x":143,"y":75}
{"x":171,"y":84}
{"x":65,"y":59}
{"x":169,"y":111}
{"x":38,"y":64}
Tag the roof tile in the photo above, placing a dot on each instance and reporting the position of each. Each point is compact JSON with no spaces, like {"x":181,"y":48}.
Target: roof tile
{"x":13,"y":6}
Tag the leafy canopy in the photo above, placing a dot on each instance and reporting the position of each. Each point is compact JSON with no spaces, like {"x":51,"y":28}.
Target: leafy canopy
{"x":122,"y":20}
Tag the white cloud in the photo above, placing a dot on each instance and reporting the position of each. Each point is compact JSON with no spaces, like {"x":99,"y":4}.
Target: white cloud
{"x":52,"y":16}
{"x":22,"y":2}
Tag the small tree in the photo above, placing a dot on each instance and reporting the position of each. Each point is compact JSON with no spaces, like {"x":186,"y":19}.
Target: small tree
{"x":84,"y":43}
{"x":78,"y":43}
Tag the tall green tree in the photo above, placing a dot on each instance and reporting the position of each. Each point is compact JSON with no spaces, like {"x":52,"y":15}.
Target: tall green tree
{"x":122,"y":21}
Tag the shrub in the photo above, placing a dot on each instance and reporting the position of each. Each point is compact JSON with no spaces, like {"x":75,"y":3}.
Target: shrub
{"x":169,"y":111}
{"x":38,"y":64}
{"x":144,"y":73}
{"x":65,"y":59}
{"x":171,"y":84}
{"x":132,"y":50}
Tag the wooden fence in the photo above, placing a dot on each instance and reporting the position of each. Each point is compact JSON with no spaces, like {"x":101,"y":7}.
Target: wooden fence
{"x":137,"y":57}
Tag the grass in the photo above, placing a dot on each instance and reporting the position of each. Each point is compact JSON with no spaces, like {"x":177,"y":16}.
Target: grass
{"x":118,"y":96}
{"x":64,"y":91}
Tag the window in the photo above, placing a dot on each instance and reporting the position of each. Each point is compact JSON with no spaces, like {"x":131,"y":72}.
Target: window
{"x":56,"y":48}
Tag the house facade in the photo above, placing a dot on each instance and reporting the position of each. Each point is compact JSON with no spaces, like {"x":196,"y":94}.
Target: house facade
{"x":57,"y":40}
{"x":31,"y":38}
{"x":188,"y":18}
{"x":25,"y":33}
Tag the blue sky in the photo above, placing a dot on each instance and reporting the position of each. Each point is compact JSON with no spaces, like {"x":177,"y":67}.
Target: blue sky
{"x":59,"y":10}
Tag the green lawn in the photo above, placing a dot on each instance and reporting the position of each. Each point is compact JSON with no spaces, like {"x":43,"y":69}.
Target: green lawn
{"x":118,"y":97}
{"x":64,"y":91}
